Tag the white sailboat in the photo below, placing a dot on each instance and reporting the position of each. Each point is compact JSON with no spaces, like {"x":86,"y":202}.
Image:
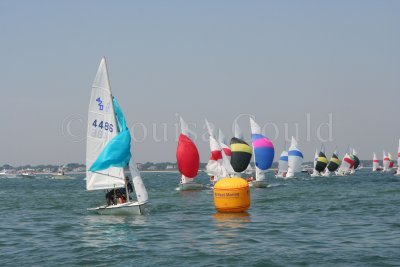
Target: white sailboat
{"x":375,"y":163}
{"x":333,"y":165}
{"x":345,"y":166}
{"x":108,"y":149}
{"x":398,"y":161}
{"x":8,"y":173}
{"x":214,"y":165}
{"x":61,"y":174}
{"x":386,"y":162}
{"x":27,"y":173}
{"x":295,"y":159}
{"x":218,"y":166}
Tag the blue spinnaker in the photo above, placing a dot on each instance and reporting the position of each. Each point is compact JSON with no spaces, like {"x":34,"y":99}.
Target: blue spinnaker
{"x":117,"y":152}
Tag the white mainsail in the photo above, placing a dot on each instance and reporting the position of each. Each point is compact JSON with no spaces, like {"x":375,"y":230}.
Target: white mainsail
{"x":102,"y":127}
{"x":140,"y":189}
{"x":185,"y":131}
{"x":214,"y":166}
{"x":315,"y":172}
{"x":315,"y":158}
{"x":224,"y":144}
{"x":256,"y":129}
{"x":238,"y":133}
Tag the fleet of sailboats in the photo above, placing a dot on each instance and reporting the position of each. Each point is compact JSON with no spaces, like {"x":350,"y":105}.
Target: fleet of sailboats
{"x":108,"y":154}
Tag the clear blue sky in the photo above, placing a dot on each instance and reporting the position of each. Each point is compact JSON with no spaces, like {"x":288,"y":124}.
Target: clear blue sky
{"x":277,"y":60}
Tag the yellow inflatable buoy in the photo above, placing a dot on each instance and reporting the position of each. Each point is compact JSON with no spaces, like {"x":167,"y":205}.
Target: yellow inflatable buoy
{"x":231,"y":195}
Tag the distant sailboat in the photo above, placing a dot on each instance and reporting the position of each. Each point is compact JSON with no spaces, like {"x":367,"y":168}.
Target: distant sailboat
{"x":188,"y":159}
{"x":295,"y":159}
{"x":217,"y":165}
{"x":333,"y":165}
{"x":264,"y":153}
{"x":375,"y":163}
{"x":108,"y":148}
{"x":224,"y":144}
{"x":315,"y":173}
{"x":398,"y":161}
{"x":213,"y":166}
{"x":391,"y":159}
{"x":356,"y":161}
{"x":346,"y":165}
{"x":322,"y":162}
{"x":241,"y":152}
{"x":283,"y":165}
{"x":386,"y":162}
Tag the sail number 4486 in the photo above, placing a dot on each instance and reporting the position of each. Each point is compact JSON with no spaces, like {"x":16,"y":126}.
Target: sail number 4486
{"x":103,"y":125}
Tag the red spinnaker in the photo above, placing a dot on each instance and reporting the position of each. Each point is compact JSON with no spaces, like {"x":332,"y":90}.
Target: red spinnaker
{"x":187,"y":156}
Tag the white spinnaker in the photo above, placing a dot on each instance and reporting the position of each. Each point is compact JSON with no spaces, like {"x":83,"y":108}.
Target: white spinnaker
{"x":214,"y":167}
{"x":101,"y":111}
{"x":283,"y":164}
{"x":294,"y":161}
{"x":345,"y":166}
{"x":375,"y":162}
{"x":390,"y":161}
{"x":140,"y":189}
{"x":386,"y":162}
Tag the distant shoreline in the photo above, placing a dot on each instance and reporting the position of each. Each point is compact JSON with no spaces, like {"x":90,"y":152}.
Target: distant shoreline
{"x":54,"y":173}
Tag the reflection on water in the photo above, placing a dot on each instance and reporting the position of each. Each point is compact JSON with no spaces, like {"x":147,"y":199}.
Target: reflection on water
{"x":104,"y":231}
{"x":229,"y":226}
{"x":231,"y":220}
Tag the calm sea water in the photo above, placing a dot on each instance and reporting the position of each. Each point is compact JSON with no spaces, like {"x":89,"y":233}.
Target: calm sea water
{"x":345,"y":221}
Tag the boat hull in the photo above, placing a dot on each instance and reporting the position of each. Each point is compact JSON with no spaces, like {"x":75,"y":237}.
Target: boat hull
{"x":26,"y":176}
{"x":190,"y":186}
{"x":130,"y":208}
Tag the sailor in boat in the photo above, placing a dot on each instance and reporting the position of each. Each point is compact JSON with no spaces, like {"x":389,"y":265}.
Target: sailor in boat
{"x":119,"y":193}
{"x":250,"y":179}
